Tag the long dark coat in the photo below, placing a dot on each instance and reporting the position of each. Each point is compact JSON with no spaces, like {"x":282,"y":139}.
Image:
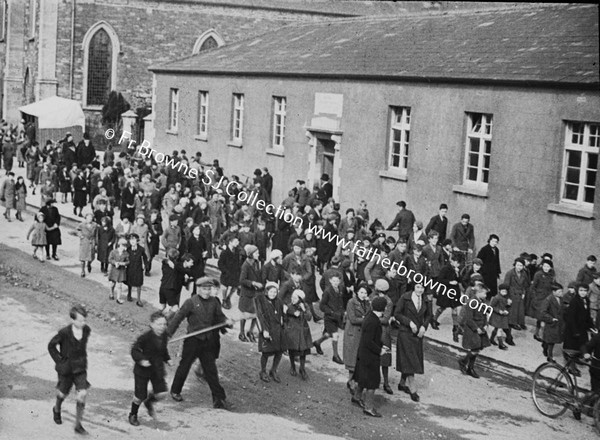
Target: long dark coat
{"x":369,"y":353}
{"x":282,"y":235}
{"x":577,"y":323}
{"x":51,"y":218}
{"x":490,"y":271}
{"x":541,"y":287}
{"x":80,"y":188}
{"x":518,"y":288}
{"x":386,"y":329}
{"x":155,"y":231}
{"x":325,"y":248}
{"x":270,"y":317}
{"x":135,"y":269}
{"x":472,"y":319}
{"x":439,"y":225}
{"x":297,"y":332}
{"x":553,"y":330}
{"x":106,"y":241}
{"x":250,"y":273}
{"x":409,"y":350}
{"x":230,"y":265}
{"x":332,"y":305}
{"x":8,"y":193}
{"x":356,"y":310}
{"x":446,"y":275}
{"x":196,"y":246}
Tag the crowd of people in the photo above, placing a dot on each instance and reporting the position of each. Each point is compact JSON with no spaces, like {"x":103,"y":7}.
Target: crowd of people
{"x":286,"y":275}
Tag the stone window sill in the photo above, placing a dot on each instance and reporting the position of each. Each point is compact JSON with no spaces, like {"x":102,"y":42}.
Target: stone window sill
{"x":572,"y":210}
{"x":471,"y":191}
{"x":275,"y":152}
{"x":395,"y":175}
{"x":201,"y":137}
{"x":172,"y":131}
{"x":234,"y":144}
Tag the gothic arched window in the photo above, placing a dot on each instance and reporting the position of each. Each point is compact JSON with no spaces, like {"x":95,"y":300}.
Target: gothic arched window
{"x":101,"y":47}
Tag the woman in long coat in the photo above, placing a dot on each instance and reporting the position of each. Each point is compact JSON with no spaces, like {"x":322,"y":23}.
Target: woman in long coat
{"x":541,"y":287}
{"x":106,"y":241}
{"x":473,"y":322}
{"x":370,"y":349}
{"x":283,"y":231}
{"x":490,"y":255}
{"x":53,"y":235}
{"x":578,"y":320}
{"x":518,"y":282}
{"x":250,"y":286}
{"x":128,"y":200}
{"x":413,"y":316}
{"x":8,"y":194}
{"x":88,"y":239}
{"x":155,"y":231}
{"x":21,"y":195}
{"x":298,"y":340}
{"x":141,"y":229}
{"x":381,"y":289}
{"x":64,"y":183}
{"x":32,"y":156}
{"x":269,"y":311}
{"x":356,"y":310}
{"x":80,"y":192}
{"x":135,"y":269}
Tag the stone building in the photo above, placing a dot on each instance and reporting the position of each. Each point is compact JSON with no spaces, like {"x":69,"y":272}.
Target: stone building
{"x":83,"y":49}
{"x":496,"y":113}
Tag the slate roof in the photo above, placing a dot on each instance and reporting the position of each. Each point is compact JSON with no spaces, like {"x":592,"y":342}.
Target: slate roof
{"x":556,"y":44}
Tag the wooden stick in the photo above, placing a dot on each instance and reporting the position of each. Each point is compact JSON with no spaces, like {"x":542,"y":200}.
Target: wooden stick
{"x":199,"y":332}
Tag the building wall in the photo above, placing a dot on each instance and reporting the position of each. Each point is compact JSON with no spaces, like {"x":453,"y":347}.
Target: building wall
{"x":526,"y":161}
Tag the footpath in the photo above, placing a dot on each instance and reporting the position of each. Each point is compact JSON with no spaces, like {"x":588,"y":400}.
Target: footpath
{"x":525,"y":356}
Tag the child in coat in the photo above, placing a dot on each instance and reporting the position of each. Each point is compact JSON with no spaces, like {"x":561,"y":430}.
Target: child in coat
{"x":150,"y":353}
{"x":135,"y":269}
{"x":332,"y":305}
{"x":298,"y":339}
{"x":118,"y":259}
{"x":499,"y":319}
{"x":37,"y":231}
{"x":106,"y":241}
{"x":269,"y":311}
{"x":551,"y":313}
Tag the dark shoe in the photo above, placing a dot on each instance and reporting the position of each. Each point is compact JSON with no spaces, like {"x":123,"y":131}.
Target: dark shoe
{"x":414,"y":397}
{"x":120,"y":301}
{"x":549,"y":359}
{"x":318,"y":347}
{"x":303,"y":374}
{"x":403,"y":388}
{"x":493,"y":341}
{"x":501,"y":346}
{"x":147,"y":273}
{"x":129,"y":298}
{"x":149,"y":404}
{"x":358,"y":402}
{"x":338,"y":360}
{"x":388,"y":389}
{"x":371,"y":412}
{"x":133,"y":420}
{"x":317,"y":319}
{"x":89,"y":267}
{"x":243,"y":338}
{"x":274,"y":376}
{"x":511,"y":342}
{"x":537,"y":338}
{"x":577,"y":414}
{"x":523,"y":327}
{"x":55,"y":258}
{"x":575,"y":371}
{"x":435,"y":325}
{"x":462,"y":364}
{"x":82,"y":274}
{"x":223,"y":404}
{"x":139,"y":304}
{"x":251,"y":337}
{"x":57,"y":417}
{"x":471,"y":372}
{"x":264,"y":376}
{"x":293,"y":372}
{"x":176,"y":397}
{"x":81,"y":430}
{"x":226,"y":304}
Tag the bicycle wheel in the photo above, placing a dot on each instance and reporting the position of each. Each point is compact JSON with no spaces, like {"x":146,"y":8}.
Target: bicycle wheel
{"x":552,"y":390}
{"x":596,"y":414}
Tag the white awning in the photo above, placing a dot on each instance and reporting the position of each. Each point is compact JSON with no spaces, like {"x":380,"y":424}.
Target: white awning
{"x":56,"y":112}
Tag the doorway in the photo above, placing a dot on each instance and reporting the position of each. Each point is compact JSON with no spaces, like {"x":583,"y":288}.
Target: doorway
{"x":325,"y":157}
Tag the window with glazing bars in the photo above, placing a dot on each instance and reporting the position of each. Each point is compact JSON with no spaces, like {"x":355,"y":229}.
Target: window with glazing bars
{"x":580,"y":163}
{"x":479,"y":148}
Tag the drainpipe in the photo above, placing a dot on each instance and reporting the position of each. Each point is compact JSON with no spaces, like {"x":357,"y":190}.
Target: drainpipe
{"x":72,"y":72}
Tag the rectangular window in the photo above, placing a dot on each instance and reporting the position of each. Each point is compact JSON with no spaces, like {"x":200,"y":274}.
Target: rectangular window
{"x":237,"y":120}
{"x":580,"y":163}
{"x":203,"y":113}
{"x":279,"y":113}
{"x":174,"y":109}
{"x":479,"y":149}
{"x":32,"y":18}
{"x":399,"y":137}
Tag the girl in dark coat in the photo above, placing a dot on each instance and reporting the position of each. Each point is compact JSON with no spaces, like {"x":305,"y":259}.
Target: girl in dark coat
{"x":135,"y":269}
{"x":106,"y":241}
{"x":64,"y":183}
{"x":578,"y":321}
{"x":358,"y":307}
{"x":52,"y":220}
{"x":413,"y":316}
{"x":499,"y":319}
{"x":298,"y":340}
{"x":370,"y":349}
{"x":552,"y":314}
{"x":118,"y":259}
{"x":473,"y":321}
{"x":269,"y":311}
{"x":80,"y":193}
{"x":250,"y":287}
{"x":332,"y":305}
{"x":449,"y":277}
{"x":490,"y":255}
{"x":541,"y":287}
{"x":518,"y":282}
{"x":230,"y":265}
{"x":155,"y":231}
{"x":197,"y":247}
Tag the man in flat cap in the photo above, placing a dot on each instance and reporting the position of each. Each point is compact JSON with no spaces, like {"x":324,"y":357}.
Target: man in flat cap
{"x":404,"y":220}
{"x":202,"y":311}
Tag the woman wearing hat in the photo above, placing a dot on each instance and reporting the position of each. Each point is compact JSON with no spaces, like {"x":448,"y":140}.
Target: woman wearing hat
{"x":370,"y":350}
{"x":541,"y":287}
{"x":298,"y":339}
{"x":490,"y":256}
{"x":269,"y":311}
{"x":518,"y":282}
{"x":53,"y":235}
{"x":413,"y":316}
{"x":250,"y":286}
{"x":356,"y":310}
